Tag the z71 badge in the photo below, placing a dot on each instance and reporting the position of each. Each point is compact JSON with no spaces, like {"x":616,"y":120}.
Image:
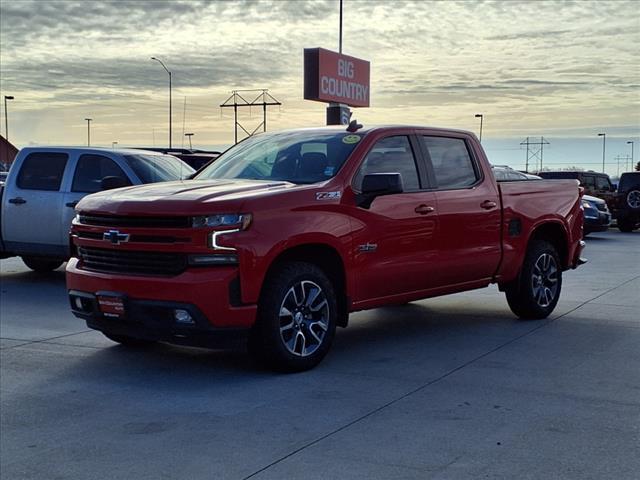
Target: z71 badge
{"x":328,"y":195}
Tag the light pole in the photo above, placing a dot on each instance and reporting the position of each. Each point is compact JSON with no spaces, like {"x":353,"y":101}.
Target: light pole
{"x":88,"y":131}
{"x":113,"y":144}
{"x":6,"y":126}
{"x":189,"y":135}
{"x":167,"y":70}
{"x":630,"y":142}
{"x":604,"y":142}
{"x":481,"y":117}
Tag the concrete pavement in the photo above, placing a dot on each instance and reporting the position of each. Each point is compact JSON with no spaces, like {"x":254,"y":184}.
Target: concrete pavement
{"x":447,"y":388}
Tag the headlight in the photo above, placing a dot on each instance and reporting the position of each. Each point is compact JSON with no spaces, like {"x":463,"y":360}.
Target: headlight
{"x":240,"y":221}
{"x":586,"y":204}
{"x":76,"y":219}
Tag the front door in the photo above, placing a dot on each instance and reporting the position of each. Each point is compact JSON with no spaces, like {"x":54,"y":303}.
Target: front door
{"x":394,"y":239}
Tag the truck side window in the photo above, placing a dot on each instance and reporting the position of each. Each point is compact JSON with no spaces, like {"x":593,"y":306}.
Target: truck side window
{"x":603,"y":184}
{"x":42,"y":171}
{"x":391,"y":155}
{"x":90,"y":171}
{"x":451,"y":162}
{"x":589,"y":181}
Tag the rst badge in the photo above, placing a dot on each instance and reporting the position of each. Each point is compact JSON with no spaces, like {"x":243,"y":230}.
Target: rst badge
{"x":328,"y":195}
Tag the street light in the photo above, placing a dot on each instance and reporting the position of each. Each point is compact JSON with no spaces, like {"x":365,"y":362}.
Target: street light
{"x":630,"y":142}
{"x":604,"y":141}
{"x":189,"y":135}
{"x":6,"y":126}
{"x":481,"y":117}
{"x":88,"y":131}
{"x":167,"y":70}
{"x":113,"y":144}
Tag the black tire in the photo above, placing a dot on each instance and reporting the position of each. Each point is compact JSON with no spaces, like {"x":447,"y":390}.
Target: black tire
{"x":633,"y":199}
{"x":297,"y":316}
{"x":626,"y":225}
{"x":128,"y":341}
{"x":41,"y":265}
{"x":534,"y":295}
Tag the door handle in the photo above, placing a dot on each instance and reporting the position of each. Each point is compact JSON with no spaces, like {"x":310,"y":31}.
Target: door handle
{"x":424,"y":209}
{"x":72,"y":204}
{"x":488,"y":204}
{"x":17,"y":201}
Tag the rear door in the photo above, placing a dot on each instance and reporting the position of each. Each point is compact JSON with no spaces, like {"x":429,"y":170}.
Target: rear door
{"x":88,"y":173}
{"x":32,"y":206}
{"x":469,"y":216}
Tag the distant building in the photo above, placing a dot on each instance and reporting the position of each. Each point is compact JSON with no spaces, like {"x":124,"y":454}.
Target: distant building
{"x":7,"y":152}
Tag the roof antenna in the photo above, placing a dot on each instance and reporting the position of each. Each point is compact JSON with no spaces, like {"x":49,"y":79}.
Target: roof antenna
{"x":354,"y":126}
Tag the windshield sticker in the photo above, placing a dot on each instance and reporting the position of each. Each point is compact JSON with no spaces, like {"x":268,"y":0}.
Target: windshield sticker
{"x":328,"y":195}
{"x":350,"y":139}
{"x":328,"y":172}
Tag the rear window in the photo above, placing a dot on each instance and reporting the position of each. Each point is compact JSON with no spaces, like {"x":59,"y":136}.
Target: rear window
{"x":42,"y":171}
{"x":158,"y":168}
{"x":629,"y":180}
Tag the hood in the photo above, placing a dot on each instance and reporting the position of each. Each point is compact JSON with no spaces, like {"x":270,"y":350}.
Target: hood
{"x":180,"y":197}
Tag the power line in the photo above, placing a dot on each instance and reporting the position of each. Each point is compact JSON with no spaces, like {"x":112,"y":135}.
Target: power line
{"x":240,"y":101}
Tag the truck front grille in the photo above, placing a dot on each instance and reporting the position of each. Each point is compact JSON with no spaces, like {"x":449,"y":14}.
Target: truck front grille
{"x":124,"y":221}
{"x":132,"y":262}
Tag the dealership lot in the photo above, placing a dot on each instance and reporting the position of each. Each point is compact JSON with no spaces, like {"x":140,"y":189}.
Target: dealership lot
{"x":453,"y":387}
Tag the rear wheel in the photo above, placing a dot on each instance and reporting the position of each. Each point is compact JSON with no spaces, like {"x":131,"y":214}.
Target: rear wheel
{"x":128,"y":341}
{"x":626,"y":225}
{"x":535,"y":293}
{"x":39,"y":264}
{"x":297,"y":316}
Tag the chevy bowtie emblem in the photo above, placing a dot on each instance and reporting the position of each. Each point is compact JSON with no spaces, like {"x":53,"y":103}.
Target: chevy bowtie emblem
{"x":115,"y":237}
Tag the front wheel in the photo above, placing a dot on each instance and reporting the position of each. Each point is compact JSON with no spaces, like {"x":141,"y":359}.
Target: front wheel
{"x":41,"y":265}
{"x":296,"y":321}
{"x":535,"y":293}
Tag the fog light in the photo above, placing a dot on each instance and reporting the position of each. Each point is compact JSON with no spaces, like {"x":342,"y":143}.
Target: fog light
{"x":79,"y":305}
{"x":182,"y":316}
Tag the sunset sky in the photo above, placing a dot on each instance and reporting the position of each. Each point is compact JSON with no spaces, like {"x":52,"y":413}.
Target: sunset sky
{"x":564,"y":70}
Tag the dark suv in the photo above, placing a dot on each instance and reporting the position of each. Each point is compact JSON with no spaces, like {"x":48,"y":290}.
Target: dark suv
{"x":595,"y":184}
{"x":626,"y":203}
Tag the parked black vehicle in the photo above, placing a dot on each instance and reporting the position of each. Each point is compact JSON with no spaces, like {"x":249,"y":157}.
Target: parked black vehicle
{"x":595,"y":183}
{"x":597,"y":217}
{"x":196,"y":159}
{"x":626,"y":202}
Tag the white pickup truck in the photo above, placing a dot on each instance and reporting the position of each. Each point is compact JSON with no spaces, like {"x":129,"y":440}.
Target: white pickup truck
{"x":45,"y":184}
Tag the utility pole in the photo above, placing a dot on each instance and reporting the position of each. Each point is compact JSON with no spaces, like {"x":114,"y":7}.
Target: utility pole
{"x":6,"y":126}
{"x":604,"y":142}
{"x":237,"y":100}
{"x":170,"y":117}
{"x":629,"y":142}
{"x":535,"y":151}
{"x":481,"y":116}
{"x":189,"y":135}
{"x":88,"y":131}
{"x":624,"y":164}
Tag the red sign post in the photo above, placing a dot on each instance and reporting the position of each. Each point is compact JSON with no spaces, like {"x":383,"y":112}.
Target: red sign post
{"x":333,"y":77}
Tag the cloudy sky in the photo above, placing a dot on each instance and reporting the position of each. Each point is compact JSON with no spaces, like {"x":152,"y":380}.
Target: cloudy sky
{"x":565,"y":70}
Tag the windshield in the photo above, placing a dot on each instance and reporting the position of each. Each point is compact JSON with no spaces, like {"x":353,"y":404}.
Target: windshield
{"x":158,"y":168}
{"x":297,"y":157}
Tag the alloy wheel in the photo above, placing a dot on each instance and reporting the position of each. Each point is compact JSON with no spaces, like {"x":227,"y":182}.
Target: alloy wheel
{"x":304,"y":318}
{"x":544,"y":280}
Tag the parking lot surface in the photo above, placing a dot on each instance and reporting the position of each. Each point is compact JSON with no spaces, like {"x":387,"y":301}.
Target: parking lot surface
{"x":449,"y":388}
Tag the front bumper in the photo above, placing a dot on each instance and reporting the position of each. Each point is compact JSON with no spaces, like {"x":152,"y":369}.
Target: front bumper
{"x":153,"y":320}
{"x":213,"y":293}
{"x":597,"y":221}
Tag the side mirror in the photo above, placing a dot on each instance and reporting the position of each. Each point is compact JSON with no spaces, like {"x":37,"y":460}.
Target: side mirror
{"x":109,"y":183}
{"x":378,"y":184}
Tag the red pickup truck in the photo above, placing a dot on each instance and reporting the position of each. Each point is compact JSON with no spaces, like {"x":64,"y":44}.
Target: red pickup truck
{"x":286,"y":233}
